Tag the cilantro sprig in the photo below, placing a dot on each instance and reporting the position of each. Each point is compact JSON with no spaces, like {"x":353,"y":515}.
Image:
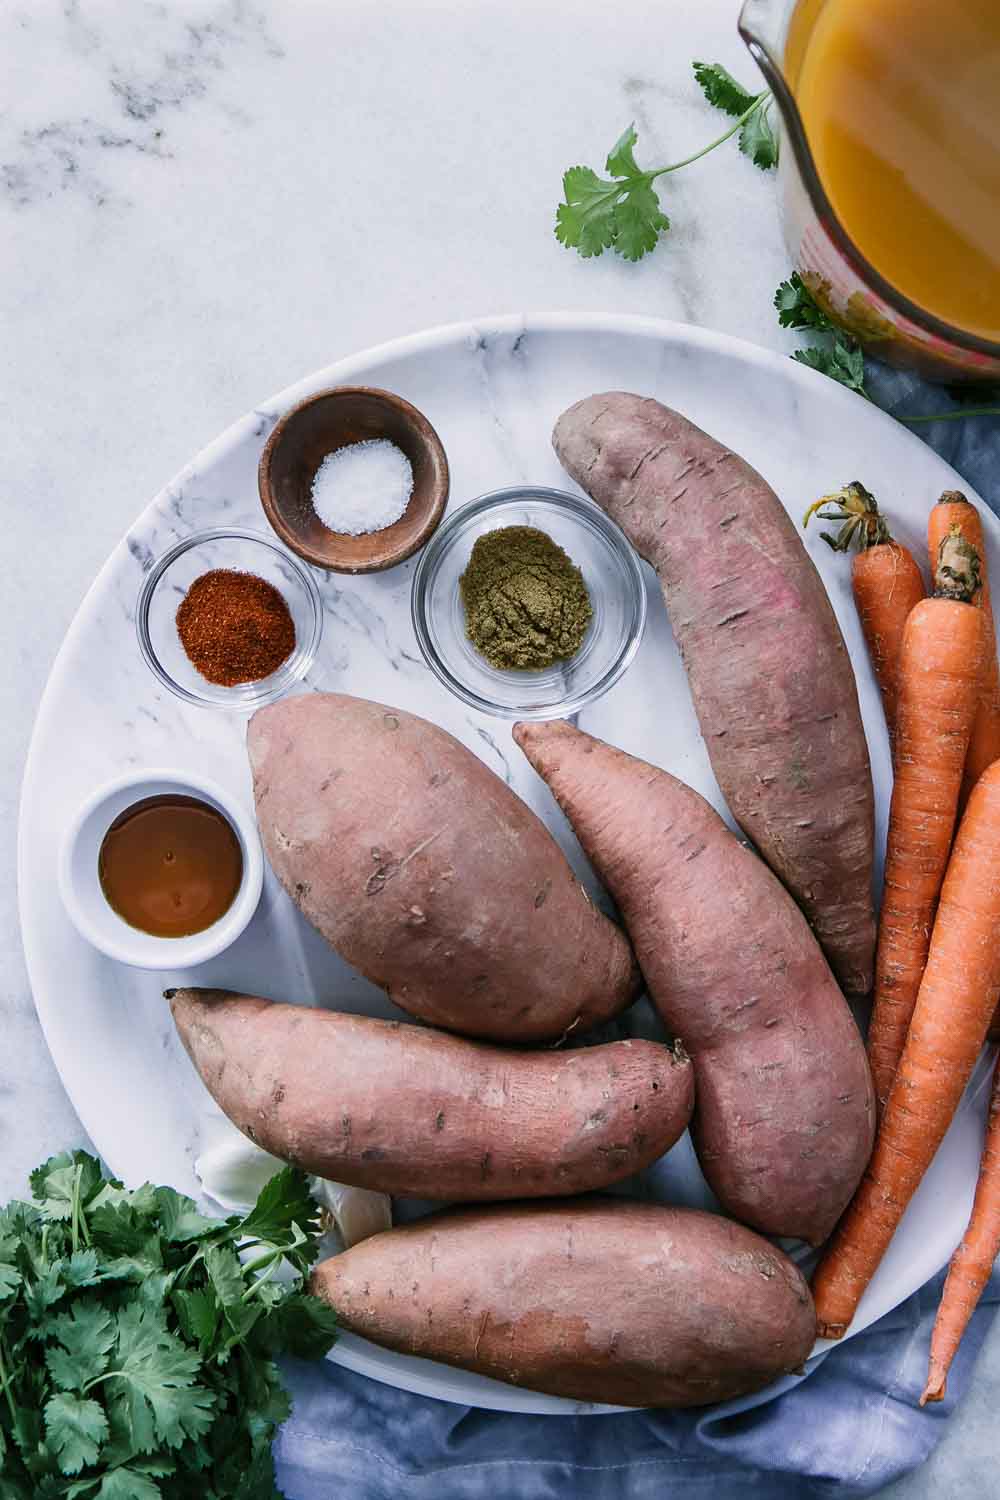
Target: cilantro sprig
{"x":622,"y":211}
{"x":839,"y":356}
{"x":137,"y":1337}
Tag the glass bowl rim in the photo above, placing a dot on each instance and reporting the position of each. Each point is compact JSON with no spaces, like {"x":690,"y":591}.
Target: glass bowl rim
{"x":578,"y":506}
{"x":237,"y":701}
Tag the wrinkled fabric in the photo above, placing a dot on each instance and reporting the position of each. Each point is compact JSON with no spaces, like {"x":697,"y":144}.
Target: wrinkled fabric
{"x":850,"y":1426}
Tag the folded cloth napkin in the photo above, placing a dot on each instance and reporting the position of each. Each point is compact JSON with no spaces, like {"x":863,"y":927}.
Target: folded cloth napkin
{"x":846,"y":1429}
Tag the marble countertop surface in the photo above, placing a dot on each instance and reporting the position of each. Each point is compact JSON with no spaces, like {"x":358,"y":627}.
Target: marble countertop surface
{"x":204,"y":200}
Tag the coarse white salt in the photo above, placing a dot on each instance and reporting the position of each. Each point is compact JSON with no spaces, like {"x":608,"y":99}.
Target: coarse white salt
{"x":362,"y":488}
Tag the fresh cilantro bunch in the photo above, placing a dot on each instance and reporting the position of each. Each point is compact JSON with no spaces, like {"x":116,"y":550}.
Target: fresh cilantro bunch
{"x":622,"y":212}
{"x":137,"y":1337}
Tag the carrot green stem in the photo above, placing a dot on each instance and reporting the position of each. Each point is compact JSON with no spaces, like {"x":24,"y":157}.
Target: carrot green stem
{"x":858,"y":513}
{"x":954,"y":416}
{"x":958,"y":574}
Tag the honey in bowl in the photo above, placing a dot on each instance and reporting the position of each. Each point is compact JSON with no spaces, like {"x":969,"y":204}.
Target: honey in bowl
{"x":901,"y":106}
{"x":170,"y":865}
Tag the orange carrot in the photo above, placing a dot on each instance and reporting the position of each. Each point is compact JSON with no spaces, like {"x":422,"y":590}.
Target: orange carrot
{"x":886,"y":579}
{"x":972,"y":1262}
{"x":954,"y":510}
{"x":940,"y":671}
{"x":949,"y":1024}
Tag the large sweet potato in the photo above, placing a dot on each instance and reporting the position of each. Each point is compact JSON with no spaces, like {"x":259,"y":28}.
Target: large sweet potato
{"x":597,"y":1299}
{"x":406,"y":1110}
{"x":769,"y":672}
{"x":427,"y":873}
{"x":784,"y":1108}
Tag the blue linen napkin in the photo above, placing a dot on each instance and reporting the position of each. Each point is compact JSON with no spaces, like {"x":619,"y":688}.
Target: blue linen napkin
{"x":844,"y":1430}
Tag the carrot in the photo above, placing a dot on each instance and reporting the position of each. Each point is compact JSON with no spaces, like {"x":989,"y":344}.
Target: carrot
{"x":886,"y":579}
{"x":949,"y":1025}
{"x":940,"y":671}
{"x":954,"y":510}
{"x":972,"y":1262}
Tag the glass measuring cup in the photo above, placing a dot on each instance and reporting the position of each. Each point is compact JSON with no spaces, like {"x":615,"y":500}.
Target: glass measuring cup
{"x":885,"y":321}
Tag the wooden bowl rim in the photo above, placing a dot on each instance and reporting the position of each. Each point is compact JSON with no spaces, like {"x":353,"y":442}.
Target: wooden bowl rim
{"x":428,"y":439}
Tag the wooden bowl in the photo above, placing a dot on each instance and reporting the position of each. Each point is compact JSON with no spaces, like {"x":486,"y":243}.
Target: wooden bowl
{"x":318,"y":426}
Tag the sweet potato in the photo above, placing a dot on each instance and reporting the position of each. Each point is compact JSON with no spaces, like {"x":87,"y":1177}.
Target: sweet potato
{"x":405,"y":1110}
{"x":427,"y":873}
{"x":596,"y":1299}
{"x":784,"y":1108}
{"x":769,"y":672}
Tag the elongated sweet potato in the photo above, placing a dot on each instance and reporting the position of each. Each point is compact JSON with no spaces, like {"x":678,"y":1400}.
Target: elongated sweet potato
{"x":410,"y":1111}
{"x":427,"y":873}
{"x":784,"y":1111}
{"x":597,"y":1299}
{"x":769,"y":672}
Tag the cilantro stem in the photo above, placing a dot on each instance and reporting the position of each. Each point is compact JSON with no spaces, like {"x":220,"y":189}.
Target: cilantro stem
{"x":79,"y":1220}
{"x":5,"y":1382}
{"x":696,"y":156}
{"x":108,"y":1375}
{"x":954,"y":416}
{"x":264,"y":1263}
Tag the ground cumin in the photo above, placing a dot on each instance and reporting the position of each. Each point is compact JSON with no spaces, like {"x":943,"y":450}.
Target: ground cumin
{"x":235,"y":627}
{"x":526,"y":604}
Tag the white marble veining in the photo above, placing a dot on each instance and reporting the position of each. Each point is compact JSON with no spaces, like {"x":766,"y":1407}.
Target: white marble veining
{"x":204,"y":200}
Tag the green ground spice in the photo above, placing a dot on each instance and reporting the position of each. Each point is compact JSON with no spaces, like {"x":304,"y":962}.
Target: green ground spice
{"x":526,"y":604}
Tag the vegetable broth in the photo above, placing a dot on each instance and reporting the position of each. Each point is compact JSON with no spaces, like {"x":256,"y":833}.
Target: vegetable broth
{"x":901,"y":105}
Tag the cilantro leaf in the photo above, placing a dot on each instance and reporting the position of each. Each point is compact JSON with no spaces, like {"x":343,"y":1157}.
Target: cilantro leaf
{"x":585,"y":220}
{"x":843,"y":362}
{"x":85,"y":1334}
{"x":797,"y":308}
{"x":721,"y":88}
{"x":225,"y":1275}
{"x":621,"y":161}
{"x":75,"y":1429}
{"x":284,"y":1200}
{"x":179,"y":1218}
{"x":153,"y":1382}
{"x":128,"y":1484}
{"x":758,"y":139}
{"x":81,"y":1269}
{"x":849,"y":364}
{"x":198,"y":1314}
{"x":639,"y":222}
{"x":44,"y":1293}
{"x":303,"y":1325}
{"x":60,"y":1180}
{"x":10,"y":1280}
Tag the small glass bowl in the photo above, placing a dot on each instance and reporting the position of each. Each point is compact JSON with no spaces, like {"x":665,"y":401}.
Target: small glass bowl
{"x":169,"y":579}
{"x":610,"y":569}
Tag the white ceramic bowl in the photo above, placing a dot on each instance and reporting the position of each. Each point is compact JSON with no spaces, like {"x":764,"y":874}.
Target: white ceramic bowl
{"x":100,"y":924}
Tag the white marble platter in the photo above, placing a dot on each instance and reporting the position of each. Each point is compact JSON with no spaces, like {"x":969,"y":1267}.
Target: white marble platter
{"x":493,"y":390}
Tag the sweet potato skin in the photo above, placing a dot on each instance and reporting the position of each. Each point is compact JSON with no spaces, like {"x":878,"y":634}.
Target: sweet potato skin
{"x":426,"y":872}
{"x":606,"y":1300}
{"x":784,"y":1114}
{"x":404,"y":1110}
{"x":770,"y":676}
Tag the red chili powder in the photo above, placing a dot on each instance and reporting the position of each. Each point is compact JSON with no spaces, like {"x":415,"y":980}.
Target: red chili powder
{"x":235,"y":627}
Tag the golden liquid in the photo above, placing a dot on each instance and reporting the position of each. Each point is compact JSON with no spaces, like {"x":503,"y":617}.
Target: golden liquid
{"x":901,"y":104}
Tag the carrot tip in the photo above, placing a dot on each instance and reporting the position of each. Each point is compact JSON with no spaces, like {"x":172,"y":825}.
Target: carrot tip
{"x":934,"y":1390}
{"x":830,"y":1330}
